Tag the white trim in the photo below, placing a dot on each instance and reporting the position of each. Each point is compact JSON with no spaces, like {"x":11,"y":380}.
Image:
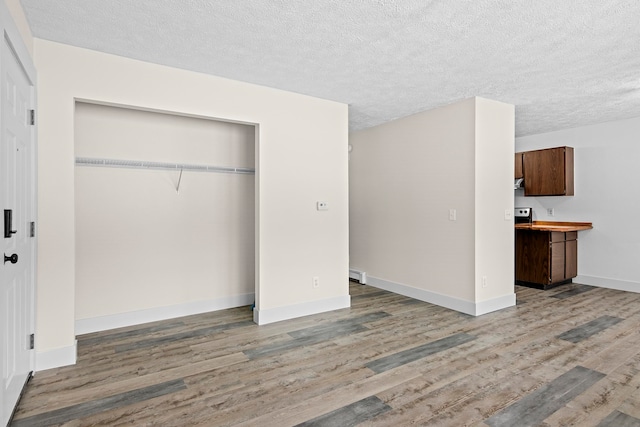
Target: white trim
{"x":103,"y":323}
{"x":602,"y":282}
{"x":467,"y":307}
{"x":271,"y":315}
{"x":56,"y":358}
{"x":495,"y":304}
{"x":17,"y":43}
{"x":423,"y":295}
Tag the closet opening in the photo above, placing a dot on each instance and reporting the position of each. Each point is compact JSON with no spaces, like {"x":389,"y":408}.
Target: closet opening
{"x":164,"y":214}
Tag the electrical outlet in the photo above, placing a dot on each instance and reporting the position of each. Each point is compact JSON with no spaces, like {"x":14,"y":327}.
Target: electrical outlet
{"x":550,"y":212}
{"x":322,"y":206}
{"x":484,"y":281}
{"x":316,"y":282}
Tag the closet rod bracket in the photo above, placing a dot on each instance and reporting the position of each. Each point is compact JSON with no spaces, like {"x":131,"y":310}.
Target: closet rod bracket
{"x":179,"y":180}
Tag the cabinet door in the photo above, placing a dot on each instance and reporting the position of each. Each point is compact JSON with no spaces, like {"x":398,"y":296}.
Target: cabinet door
{"x":518,"y":166}
{"x":557,"y":262}
{"x":571,"y":259}
{"x":545,"y":172}
{"x":532,"y":256}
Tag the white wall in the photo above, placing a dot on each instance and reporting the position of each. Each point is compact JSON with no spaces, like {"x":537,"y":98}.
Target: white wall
{"x":406,"y":175}
{"x":135,"y":234}
{"x":494,"y":234}
{"x":301,"y":158}
{"x":606,"y":193}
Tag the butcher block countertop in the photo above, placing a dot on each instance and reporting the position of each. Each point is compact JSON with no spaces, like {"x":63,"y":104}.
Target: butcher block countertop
{"x":555,"y":226}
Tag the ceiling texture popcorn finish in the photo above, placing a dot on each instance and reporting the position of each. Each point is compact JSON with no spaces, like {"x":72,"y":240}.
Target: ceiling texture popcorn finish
{"x":562,"y":63}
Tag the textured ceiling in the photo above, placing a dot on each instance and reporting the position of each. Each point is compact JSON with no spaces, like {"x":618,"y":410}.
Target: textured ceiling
{"x":563,"y":63}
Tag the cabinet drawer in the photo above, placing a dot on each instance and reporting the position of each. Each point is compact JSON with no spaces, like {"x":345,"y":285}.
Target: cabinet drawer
{"x":559,"y":236}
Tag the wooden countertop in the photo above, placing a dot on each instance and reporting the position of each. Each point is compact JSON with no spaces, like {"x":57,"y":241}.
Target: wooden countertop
{"x":555,"y":226}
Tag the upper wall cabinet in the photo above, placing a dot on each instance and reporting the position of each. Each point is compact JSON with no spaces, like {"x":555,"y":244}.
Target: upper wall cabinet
{"x":518,"y":166}
{"x":548,"y":172}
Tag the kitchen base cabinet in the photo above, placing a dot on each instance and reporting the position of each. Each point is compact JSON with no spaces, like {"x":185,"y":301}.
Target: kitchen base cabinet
{"x":546,"y":258}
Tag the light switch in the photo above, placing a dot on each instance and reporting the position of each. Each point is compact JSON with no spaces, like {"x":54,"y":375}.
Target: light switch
{"x":452,"y":215}
{"x":507,"y":215}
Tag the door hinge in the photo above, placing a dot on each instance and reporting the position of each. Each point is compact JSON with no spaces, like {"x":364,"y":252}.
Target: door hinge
{"x":32,"y":229}
{"x":32,"y":117}
{"x":32,"y":341}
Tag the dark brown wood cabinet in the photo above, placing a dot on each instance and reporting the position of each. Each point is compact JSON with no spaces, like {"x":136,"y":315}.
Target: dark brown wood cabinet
{"x":546,"y":258}
{"x":518,"y":166}
{"x":548,"y":172}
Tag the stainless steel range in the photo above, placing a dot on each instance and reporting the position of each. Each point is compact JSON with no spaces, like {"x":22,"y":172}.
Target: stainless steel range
{"x":523,"y":215}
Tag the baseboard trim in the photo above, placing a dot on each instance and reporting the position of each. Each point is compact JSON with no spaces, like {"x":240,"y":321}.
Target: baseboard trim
{"x":467,"y":307}
{"x":103,"y":323}
{"x":495,"y":304}
{"x":602,"y":282}
{"x":56,"y":358}
{"x":271,"y":315}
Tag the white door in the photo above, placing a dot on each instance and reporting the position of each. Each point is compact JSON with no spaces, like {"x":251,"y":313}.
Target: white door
{"x":17,"y":197}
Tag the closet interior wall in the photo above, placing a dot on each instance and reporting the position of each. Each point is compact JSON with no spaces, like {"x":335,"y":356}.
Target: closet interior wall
{"x":154,"y":243}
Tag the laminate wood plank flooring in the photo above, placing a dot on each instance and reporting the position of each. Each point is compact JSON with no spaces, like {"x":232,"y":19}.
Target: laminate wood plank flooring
{"x":585,"y":331}
{"x":574,"y":290}
{"x":350,"y":415}
{"x":416,"y":353}
{"x":91,"y":407}
{"x":566,"y":356}
{"x":619,"y":419}
{"x":546,"y":400}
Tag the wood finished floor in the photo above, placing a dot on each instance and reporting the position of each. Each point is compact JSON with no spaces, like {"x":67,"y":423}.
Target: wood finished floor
{"x":561,"y":357}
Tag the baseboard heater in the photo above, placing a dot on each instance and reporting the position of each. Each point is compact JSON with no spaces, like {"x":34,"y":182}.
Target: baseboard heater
{"x":357,"y":275}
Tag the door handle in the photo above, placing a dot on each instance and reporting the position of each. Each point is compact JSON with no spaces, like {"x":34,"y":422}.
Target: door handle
{"x":12,"y":259}
{"x":8,"y":220}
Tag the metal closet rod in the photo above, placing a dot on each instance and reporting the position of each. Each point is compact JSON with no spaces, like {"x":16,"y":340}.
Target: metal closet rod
{"x":141,"y":164}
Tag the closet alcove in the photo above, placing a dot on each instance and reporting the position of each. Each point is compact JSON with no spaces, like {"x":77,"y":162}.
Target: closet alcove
{"x":164,"y":215}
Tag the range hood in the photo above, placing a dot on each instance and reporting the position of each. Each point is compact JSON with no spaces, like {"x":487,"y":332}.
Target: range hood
{"x":519,"y":183}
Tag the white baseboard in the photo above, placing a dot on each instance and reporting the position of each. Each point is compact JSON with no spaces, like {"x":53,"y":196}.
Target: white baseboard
{"x":602,"y":282}
{"x":271,"y":315}
{"x":467,"y":307}
{"x":103,"y":323}
{"x":56,"y":358}
{"x":495,"y":304}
